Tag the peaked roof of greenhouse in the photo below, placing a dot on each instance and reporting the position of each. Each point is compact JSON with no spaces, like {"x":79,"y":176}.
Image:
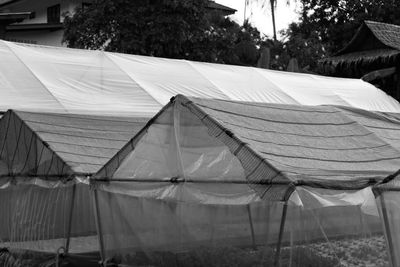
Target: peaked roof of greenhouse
{"x":324,"y":146}
{"x":74,"y":144}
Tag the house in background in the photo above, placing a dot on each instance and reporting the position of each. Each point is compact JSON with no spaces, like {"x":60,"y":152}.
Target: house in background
{"x":10,"y":18}
{"x":373,"y":55}
{"x":44,"y":25}
{"x":223,"y":10}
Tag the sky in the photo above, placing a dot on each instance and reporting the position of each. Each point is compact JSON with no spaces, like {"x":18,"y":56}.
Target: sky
{"x":262,"y":18}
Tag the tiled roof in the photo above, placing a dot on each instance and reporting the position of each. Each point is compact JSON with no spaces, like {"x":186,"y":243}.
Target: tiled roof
{"x":388,"y":35}
{"x":227,"y":9}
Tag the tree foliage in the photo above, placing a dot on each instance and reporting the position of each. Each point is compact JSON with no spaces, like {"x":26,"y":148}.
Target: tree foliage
{"x":326,"y":26}
{"x":165,"y":28}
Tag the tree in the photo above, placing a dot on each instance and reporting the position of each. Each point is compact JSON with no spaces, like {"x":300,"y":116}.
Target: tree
{"x":164,"y":28}
{"x":307,"y":47}
{"x":272,"y":6}
{"x":326,"y":26}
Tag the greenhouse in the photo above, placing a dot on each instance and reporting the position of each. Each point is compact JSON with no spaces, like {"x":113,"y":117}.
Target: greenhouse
{"x":251,"y":167}
{"x":45,"y":205}
{"x":225,"y":183}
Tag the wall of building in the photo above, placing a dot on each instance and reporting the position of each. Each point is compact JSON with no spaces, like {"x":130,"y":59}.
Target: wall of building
{"x":39,"y":7}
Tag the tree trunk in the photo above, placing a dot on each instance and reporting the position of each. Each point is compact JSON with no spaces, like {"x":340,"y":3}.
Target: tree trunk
{"x":272,"y":2}
{"x":244,"y":15}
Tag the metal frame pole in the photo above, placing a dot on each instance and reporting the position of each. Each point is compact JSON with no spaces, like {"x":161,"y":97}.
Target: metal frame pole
{"x":253,"y":239}
{"x":288,"y":193}
{"x":71,"y":211}
{"x":281,"y":230}
{"x":98,"y":226}
{"x":387,"y":229}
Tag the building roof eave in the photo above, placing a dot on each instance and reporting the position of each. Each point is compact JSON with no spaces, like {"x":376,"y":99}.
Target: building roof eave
{"x":4,"y":3}
{"x":35,"y":26}
{"x":8,"y":18}
{"x":225,"y":9}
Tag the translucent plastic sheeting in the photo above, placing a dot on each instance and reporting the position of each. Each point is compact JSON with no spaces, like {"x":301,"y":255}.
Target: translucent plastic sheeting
{"x":191,"y":192}
{"x":178,"y":196}
{"x":200,"y":157}
{"x":336,"y":235}
{"x":315,"y":198}
{"x":61,"y":79}
{"x":39,"y":219}
{"x":389,"y":208}
{"x":182,"y":149}
{"x":147,"y":231}
{"x":143,"y":231}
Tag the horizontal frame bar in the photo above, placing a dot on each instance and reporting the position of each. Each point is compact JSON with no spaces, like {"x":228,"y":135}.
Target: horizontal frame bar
{"x":176,"y":180}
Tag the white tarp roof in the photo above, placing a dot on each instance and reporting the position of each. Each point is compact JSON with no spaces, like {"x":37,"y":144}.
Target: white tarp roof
{"x":81,"y":81}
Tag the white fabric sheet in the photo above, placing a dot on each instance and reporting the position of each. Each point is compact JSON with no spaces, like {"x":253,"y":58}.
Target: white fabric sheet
{"x":95,"y":82}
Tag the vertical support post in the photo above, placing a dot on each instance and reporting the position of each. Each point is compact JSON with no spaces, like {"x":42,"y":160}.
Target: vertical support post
{"x":177,"y":125}
{"x":267,"y":228}
{"x":98,"y":225}
{"x":281,"y":230}
{"x":253,"y":239}
{"x":181,"y":169}
{"x":71,"y":212}
{"x":291,"y":246}
{"x":387,"y":230}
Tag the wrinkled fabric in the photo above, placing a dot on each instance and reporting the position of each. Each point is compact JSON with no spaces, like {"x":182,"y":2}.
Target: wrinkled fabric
{"x":96,"y":82}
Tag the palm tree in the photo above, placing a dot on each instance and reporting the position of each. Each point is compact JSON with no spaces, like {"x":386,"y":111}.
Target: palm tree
{"x":273,"y":6}
{"x":263,"y":4}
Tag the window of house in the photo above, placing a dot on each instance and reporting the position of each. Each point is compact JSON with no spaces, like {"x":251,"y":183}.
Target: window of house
{"x":53,"y":14}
